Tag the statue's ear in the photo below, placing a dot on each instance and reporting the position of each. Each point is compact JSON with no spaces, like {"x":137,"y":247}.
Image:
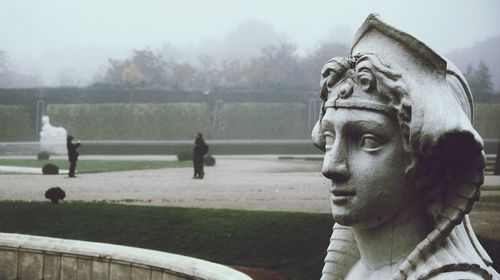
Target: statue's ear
{"x":428,"y":178}
{"x":426,"y":173}
{"x":451,"y":174}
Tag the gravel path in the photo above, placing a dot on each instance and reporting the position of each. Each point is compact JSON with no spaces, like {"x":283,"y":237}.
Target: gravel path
{"x":249,"y":183}
{"x":236,"y":182}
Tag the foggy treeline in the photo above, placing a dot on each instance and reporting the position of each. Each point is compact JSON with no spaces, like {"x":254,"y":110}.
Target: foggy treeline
{"x":10,"y":78}
{"x":253,"y":56}
{"x":275,"y":67}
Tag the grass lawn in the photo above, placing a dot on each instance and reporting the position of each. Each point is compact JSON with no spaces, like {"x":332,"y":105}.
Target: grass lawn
{"x":94,"y":166}
{"x":292,"y":243}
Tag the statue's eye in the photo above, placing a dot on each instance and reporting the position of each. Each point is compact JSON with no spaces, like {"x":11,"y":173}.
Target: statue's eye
{"x":370,"y":142}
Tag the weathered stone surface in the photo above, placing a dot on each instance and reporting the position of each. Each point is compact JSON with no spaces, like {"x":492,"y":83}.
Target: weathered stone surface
{"x":84,"y":268}
{"x":53,"y":258}
{"x":68,"y":268}
{"x":30,"y":265}
{"x":120,"y":272}
{"x":51,"y":266}
{"x":100,"y":269}
{"x":168,"y":276}
{"x":8,"y":264}
{"x":404,"y":162}
{"x":157,"y":275}
{"x":140,"y":272}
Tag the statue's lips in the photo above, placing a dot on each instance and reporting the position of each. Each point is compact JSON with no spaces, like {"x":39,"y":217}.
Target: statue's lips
{"x":342,"y":195}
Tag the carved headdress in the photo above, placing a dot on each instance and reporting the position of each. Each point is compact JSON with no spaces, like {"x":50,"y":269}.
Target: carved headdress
{"x":393,"y":73}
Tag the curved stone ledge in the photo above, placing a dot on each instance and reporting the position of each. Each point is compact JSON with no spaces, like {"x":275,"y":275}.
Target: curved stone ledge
{"x":35,"y":257}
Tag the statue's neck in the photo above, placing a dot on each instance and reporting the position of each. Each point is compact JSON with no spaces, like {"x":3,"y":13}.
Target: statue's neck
{"x":384,"y":247}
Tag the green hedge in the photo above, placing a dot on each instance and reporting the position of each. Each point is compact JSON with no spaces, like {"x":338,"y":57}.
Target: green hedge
{"x":487,"y":120}
{"x":15,"y":123}
{"x":264,"y":121}
{"x":232,"y":148}
{"x":178,"y":121}
{"x":132,"y":121}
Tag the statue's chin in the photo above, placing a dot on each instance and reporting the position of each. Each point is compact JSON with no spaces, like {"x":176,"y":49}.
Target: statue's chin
{"x":356,"y":222}
{"x":348,"y":218}
{"x":344,"y":219}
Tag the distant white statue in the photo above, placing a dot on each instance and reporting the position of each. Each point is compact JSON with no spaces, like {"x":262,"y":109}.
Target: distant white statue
{"x":52,"y":139}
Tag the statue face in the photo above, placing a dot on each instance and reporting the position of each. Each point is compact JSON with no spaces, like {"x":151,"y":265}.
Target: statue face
{"x":365,"y":162}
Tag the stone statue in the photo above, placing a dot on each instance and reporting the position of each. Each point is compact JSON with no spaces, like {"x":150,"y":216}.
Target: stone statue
{"x":404,"y":163}
{"x":52,"y":139}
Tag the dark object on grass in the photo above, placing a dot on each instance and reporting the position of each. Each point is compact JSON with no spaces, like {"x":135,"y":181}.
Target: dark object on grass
{"x":55,"y":194}
{"x":50,"y":169}
{"x":43,"y":156}
{"x":209,"y":160}
{"x":185,"y":155}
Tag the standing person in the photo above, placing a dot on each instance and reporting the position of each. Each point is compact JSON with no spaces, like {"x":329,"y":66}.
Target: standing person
{"x":199,"y":151}
{"x":72,"y":155}
{"x":497,"y":162}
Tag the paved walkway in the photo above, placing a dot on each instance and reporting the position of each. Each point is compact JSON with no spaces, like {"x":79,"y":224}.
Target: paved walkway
{"x":250,"y":183}
{"x":236,"y":182}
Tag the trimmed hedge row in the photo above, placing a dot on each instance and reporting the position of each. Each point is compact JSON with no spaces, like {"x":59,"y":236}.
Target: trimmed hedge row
{"x":215,"y":148}
{"x":264,"y":121}
{"x":89,"y":95}
{"x":487,"y":120}
{"x":132,"y":121}
{"x":178,"y":121}
{"x":15,"y":123}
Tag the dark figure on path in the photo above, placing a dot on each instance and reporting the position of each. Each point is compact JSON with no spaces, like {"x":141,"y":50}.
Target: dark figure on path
{"x":497,"y":162}
{"x":199,"y":151}
{"x":72,"y":155}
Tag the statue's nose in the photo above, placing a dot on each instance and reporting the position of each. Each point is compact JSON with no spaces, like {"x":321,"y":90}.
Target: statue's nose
{"x":335,"y":164}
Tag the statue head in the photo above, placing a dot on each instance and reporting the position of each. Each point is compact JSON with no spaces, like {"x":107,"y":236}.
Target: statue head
{"x":363,"y":129}
{"x":396,"y":130}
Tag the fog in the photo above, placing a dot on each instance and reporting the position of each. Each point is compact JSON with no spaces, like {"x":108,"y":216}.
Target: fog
{"x":60,"y":41}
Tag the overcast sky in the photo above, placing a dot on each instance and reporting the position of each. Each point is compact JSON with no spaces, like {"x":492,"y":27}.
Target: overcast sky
{"x":82,"y":34}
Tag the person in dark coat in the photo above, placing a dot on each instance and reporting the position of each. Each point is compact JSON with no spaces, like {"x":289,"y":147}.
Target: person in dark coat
{"x":199,"y":151}
{"x":72,"y":155}
{"x":497,"y":162}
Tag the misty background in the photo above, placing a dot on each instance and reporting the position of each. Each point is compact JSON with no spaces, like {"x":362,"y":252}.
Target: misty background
{"x":80,"y":43}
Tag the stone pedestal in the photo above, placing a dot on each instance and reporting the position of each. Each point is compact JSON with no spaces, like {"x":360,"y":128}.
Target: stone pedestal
{"x":27,"y":257}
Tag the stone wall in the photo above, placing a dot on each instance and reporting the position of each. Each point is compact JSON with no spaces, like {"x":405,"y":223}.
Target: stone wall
{"x":27,"y":257}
